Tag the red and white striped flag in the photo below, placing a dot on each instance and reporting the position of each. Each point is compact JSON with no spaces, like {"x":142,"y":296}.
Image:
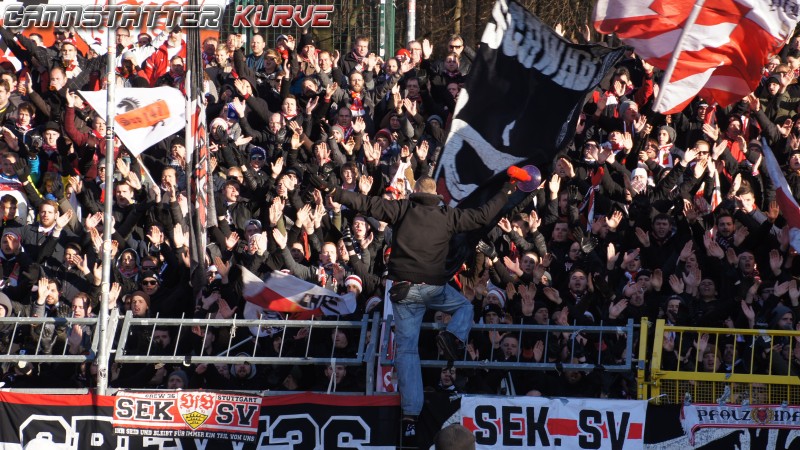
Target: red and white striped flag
{"x":723,"y":51}
{"x":282,"y":292}
{"x":7,"y":55}
{"x":783,"y":195}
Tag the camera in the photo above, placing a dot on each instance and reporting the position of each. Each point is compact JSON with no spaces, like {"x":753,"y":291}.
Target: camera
{"x":219,"y":135}
{"x":36,"y":143}
{"x":212,"y":287}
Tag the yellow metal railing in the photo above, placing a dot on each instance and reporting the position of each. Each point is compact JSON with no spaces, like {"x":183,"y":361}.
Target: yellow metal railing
{"x":643,"y":390}
{"x":736,"y":365}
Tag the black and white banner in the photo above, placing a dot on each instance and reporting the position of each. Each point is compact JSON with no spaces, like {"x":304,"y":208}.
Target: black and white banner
{"x":520,"y":106}
{"x":550,"y":423}
{"x":300,"y":422}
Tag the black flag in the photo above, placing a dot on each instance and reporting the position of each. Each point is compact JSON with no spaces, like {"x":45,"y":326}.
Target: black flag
{"x":524,"y":94}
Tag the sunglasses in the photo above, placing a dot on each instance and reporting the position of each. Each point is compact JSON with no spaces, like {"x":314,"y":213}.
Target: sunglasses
{"x":149,"y":282}
{"x":257,"y":158}
{"x":456,"y":46}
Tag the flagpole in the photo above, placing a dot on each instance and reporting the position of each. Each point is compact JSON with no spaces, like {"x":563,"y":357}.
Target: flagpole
{"x":698,"y":6}
{"x":111,"y":81}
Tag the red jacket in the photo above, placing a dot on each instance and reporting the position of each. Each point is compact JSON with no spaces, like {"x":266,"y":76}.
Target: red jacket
{"x":158,"y":63}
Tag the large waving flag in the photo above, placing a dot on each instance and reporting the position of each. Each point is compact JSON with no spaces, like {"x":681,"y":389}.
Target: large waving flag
{"x":144,"y":116}
{"x":8,"y":55}
{"x":282,"y":292}
{"x":783,"y":195}
{"x":722,"y":52}
{"x":520,"y":106}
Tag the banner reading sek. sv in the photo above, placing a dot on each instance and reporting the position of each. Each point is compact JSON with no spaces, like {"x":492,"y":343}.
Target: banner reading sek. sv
{"x":554,"y":423}
{"x":200,"y":414}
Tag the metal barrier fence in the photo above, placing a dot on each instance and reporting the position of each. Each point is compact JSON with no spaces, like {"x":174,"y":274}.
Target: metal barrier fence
{"x":710,"y":365}
{"x":46,"y":339}
{"x":251,"y":345}
{"x":370,"y":350}
{"x":592,"y":334}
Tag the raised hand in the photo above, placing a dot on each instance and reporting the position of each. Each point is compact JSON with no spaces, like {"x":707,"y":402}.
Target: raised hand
{"x":365,"y":184}
{"x":311,"y":105}
{"x":304,"y":217}
{"x":614,"y":220}
{"x":113,"y":294}
{"x":179,"y":238}
{"x":611,"y":256}
{"x":42,"y":287}
{"x":740,"y":235}
{"x":687,"y":251}
{"x":330,"y":89}
{"x":155,"y":236}
{"x":630,"y":256}
{"x":504,"y":224}
{"x":528,"y":293}
{"x":713,"y":248}
{"x":372,"y":153}
{"x":238,"y":105}
{"x":422,"y":150}
{"x":224,"y":310}
{"x":63,"y":219}
{"x":701,"y":344}
{"x":232,"y":240}
{"x":554,"y":185}
{"x":733,"y":258}
{"x":427,"y":49}
{"x":657,"y":279}
{"x":781,"y":288}
{"x":615,"y":309}
{"x":76,"y":184}
{"x":512,"y":265}
{"x":223,"y":268}
{"x":676,"y":284}
{"x":643,"y":237}
{"x":712,"y":131}
{"x":552,"y":294}
{"x":279,"y":238}
{"x":123,"y":168}
{"x":775,"y":261}
{"x":669,"y":342}
{"x":276,"y":210}
{"x":794,"y":292}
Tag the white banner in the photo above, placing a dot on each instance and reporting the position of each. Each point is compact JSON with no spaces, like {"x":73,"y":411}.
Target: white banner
{"x":554,"y":423}
{"x":144,"y":116}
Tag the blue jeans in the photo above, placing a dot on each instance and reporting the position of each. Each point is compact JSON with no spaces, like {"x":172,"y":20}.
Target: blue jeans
{"x":408,"y":315}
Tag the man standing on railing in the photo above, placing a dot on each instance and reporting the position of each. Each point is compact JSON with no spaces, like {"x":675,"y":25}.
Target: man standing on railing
{"x":421,"y":228}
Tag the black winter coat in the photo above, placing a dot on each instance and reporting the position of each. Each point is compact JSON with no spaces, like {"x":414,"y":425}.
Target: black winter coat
{"x":421,"y":230}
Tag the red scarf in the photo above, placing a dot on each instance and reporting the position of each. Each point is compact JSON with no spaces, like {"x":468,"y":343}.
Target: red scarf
{"x":357,"y":104}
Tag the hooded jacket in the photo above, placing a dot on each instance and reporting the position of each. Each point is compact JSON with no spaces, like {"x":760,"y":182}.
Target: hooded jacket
{"x":422,"y":228}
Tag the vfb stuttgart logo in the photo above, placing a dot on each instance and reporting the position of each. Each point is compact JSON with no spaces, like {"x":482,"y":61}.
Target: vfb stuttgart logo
{"x":195,"y":408}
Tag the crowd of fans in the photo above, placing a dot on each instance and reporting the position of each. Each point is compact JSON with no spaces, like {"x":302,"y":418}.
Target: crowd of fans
{"x":644,"y":215}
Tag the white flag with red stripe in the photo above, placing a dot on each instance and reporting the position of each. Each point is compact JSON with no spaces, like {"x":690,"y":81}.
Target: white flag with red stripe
{"x":7,"y":55}
{"x":282,"y":292}
{"x":723,"y":52}
{"x":783,"y":195}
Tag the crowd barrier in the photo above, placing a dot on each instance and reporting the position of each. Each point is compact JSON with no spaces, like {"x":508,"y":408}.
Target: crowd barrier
{"x":199,"y":420}
{"x":738,"y":366}
{"x":735,"y":394}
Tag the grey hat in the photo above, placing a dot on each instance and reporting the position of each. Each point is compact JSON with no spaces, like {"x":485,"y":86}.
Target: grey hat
{"x":182,"y":375}
{"x":436,"y":118}
{"x":670,"y":132}
{"x":624,"y":106}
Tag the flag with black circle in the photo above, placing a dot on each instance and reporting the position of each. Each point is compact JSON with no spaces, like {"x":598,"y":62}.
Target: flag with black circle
{"x":525,"y":92}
